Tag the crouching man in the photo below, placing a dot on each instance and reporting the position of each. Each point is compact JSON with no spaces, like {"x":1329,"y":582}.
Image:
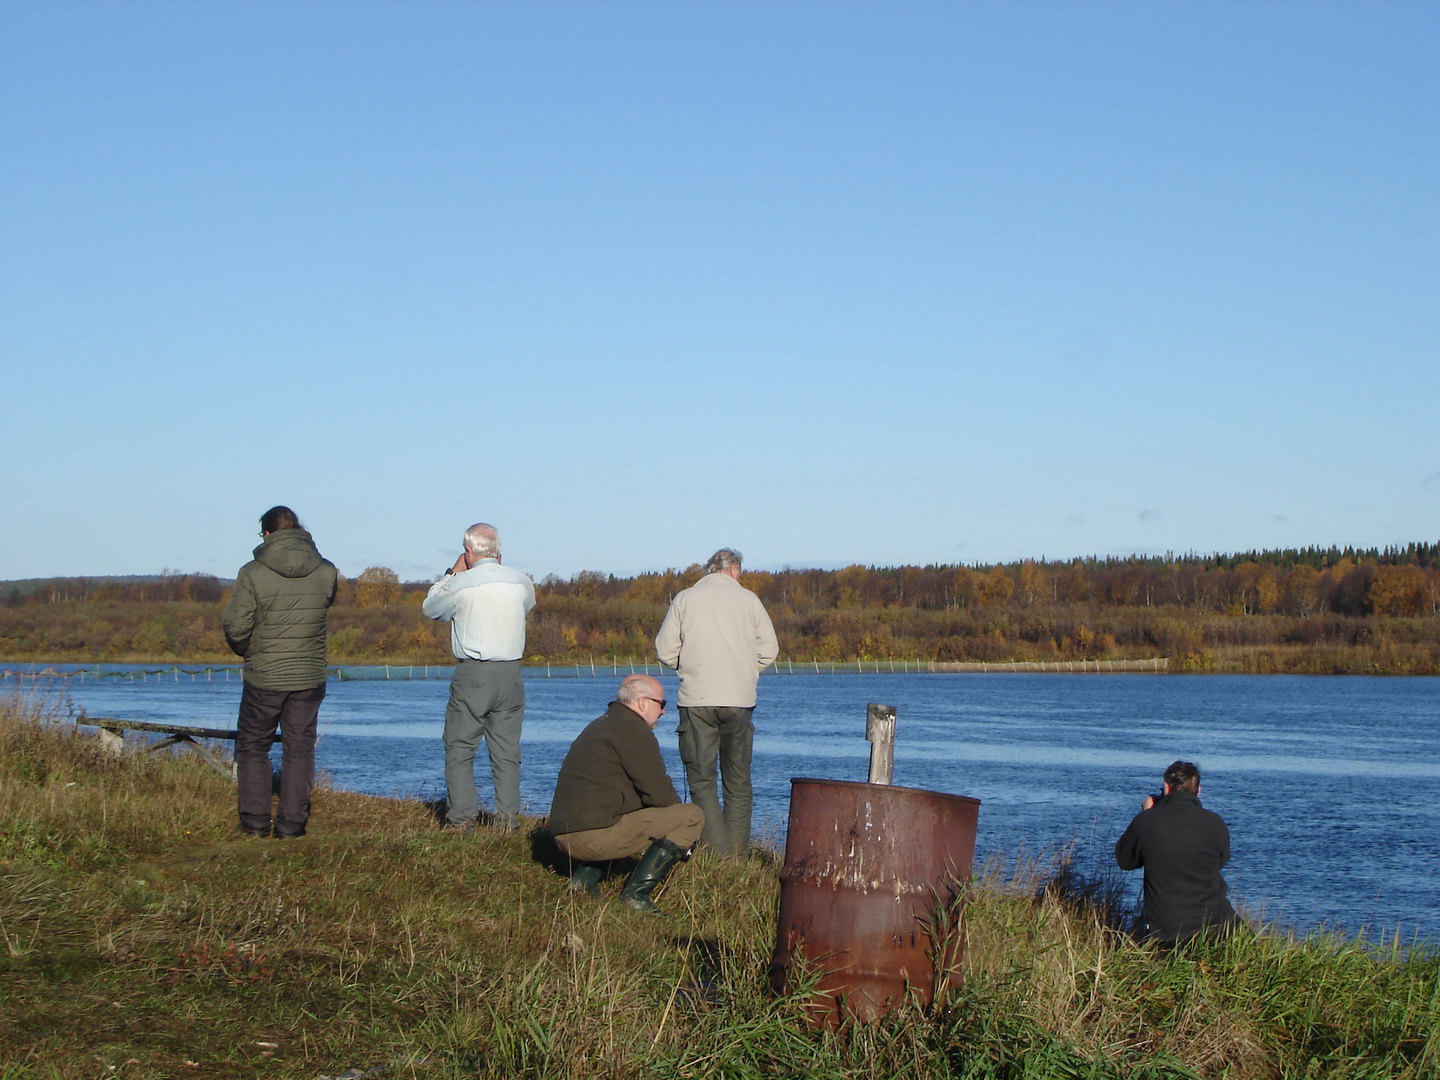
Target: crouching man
{"x":614,"y":799}
{"x":1182,"y":847}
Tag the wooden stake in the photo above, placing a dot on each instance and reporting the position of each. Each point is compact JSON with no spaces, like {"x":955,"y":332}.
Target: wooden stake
{"x":880,"y":733}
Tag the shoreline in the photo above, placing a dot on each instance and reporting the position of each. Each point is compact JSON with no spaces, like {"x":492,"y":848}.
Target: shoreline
{"x":49,"y":667}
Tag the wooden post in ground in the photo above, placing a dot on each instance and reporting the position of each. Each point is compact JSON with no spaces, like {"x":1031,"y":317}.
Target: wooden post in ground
{"x":880,"y":733}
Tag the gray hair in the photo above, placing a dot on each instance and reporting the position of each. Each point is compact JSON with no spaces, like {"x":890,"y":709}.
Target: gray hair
{"x":482,"y":541}
{"x":722,"y":560}
{"x":633,"y":689}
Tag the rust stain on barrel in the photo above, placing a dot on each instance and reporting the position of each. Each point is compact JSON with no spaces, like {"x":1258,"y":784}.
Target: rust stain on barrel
{"x":863,"y":865}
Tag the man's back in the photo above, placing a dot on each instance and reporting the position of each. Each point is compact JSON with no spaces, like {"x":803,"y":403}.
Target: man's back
{"x":486,"y":606}
{"x":276,"y":616}
{"x":1182,"y":847}
{"x":719,"y":638}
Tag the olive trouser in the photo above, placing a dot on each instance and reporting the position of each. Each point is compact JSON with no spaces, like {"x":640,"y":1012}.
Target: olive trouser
{"x":680,"y":824}
{"x":295,"y":712}
{"x":724,"y":734}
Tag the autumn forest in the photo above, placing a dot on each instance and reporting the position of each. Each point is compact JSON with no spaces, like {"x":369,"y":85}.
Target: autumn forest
{"x":1305,"y":611}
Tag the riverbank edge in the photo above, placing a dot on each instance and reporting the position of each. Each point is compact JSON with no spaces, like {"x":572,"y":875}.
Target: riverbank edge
{"x":1420,"y":667}
{"x":143,"y":933}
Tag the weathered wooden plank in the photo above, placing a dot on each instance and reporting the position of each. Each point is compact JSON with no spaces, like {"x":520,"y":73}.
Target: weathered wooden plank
{"x":110,"y":723}
{"x":112,"y":731}
{"x":880,"y":732}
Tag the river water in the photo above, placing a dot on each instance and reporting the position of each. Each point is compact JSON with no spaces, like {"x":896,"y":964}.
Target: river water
{"x":1328,"y":784}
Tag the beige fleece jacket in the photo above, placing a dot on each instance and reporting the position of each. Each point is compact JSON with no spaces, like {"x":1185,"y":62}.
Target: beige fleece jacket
{"x":719,"y":639}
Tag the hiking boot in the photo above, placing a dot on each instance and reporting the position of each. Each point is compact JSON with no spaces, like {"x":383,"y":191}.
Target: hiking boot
{"x":657,"y":862}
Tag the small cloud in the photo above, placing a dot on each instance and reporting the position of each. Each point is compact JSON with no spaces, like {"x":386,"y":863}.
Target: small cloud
{"x":1075,"y":519}
{"x":1151,"y":515}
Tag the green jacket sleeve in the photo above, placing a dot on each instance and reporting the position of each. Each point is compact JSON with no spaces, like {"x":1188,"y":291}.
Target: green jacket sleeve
{"x":238,"y":618}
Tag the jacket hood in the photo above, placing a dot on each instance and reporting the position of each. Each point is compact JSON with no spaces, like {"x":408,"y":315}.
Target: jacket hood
{"x":289,"y":552}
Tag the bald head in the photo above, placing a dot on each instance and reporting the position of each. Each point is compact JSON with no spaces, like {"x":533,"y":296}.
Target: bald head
{"x":643,"y":695}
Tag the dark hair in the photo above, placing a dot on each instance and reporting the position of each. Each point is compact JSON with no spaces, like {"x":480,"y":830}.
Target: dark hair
{"x":277,"y":518}
{"x":1183,"y":776}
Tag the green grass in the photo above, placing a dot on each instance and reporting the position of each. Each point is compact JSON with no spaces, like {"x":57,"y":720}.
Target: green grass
{"x":141,"y":936}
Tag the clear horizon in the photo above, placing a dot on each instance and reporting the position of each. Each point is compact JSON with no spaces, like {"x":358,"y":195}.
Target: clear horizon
{"x":827,"y":283}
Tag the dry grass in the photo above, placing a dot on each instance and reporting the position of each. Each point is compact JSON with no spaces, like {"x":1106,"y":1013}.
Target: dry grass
{"x":141,"y":936}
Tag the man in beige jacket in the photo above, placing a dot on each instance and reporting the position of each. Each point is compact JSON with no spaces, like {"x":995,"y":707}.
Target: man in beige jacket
{"x":719,"y":639}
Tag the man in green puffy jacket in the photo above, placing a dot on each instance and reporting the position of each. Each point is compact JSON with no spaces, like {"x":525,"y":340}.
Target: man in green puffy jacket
{"x":276,"y":620}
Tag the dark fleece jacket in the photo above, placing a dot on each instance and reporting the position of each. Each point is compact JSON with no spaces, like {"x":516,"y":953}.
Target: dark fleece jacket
{"x":276,"y":616}
{"x":1182,"y":847}
{"x":613,"y":768}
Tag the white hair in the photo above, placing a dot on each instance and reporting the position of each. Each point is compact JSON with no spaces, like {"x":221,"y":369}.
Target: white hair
{"x":633,"y":689}
{"x":482,"y":541}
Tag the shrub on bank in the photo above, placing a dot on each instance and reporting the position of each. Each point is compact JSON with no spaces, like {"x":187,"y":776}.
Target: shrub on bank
{"x":1308,"y":611}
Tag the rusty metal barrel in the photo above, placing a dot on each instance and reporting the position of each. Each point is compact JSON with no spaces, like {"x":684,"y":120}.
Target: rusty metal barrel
{"x":864,"y":866}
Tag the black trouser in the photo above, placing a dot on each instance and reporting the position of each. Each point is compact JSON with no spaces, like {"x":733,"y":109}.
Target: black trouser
{"x":295,"y":712}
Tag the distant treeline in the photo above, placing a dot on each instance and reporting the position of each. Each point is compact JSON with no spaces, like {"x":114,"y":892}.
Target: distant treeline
{"x":1303,"y":610}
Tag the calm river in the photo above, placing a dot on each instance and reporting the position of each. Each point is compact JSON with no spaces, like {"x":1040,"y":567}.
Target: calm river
{"x":1327,"y":783}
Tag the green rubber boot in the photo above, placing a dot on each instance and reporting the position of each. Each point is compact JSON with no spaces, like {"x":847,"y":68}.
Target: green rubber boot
{"x":657,"y":861}
{"x":586,"y":878}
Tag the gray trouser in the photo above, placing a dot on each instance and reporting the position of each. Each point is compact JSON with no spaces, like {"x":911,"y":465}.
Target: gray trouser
{"x":723,"y":734}
{"x":680,"y":824}
{"x":295,"y":711}
{"x":487,"y":701}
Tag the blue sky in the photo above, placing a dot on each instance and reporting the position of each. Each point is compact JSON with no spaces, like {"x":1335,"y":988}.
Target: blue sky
{"x":827,"y":282}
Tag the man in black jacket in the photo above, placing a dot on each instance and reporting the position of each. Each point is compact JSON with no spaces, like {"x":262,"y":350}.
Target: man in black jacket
{"x":1182,"y":847}
{"x":613,"y":798}
{"x":276,"y":620}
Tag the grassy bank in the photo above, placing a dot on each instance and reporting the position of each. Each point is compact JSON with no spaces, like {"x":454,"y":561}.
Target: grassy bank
{"x":141,"y":936}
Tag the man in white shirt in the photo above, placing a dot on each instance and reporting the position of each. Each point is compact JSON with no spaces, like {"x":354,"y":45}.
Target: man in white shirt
{"x":485,"y":604}
{"x":719,"y":639}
